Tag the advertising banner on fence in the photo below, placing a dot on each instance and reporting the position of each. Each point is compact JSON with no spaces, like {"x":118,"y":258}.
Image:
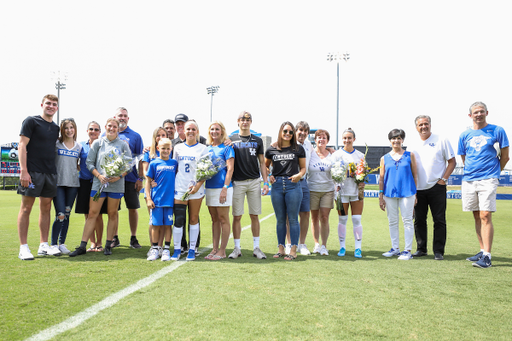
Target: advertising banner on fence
{"x":10,"y":161}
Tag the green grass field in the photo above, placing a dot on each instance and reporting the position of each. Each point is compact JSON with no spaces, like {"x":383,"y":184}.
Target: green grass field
{"x":312,"y":298}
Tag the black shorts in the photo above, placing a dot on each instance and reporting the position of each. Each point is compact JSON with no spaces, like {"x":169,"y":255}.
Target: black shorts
{"x":84,"y":196}
{"x":131,"y":196}
{"x":43,"y":185}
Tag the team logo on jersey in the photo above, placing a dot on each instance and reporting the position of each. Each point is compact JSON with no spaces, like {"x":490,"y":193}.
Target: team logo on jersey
{"x":477,"y":142}
{"x":432,"y":144}
{"x":253,"y":151}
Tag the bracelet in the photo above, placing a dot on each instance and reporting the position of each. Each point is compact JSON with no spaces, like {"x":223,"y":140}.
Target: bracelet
{"x":381,"y":191}
{"x":141,"y":179}
{"x":265,"y":184}
{"x":225,"y":186}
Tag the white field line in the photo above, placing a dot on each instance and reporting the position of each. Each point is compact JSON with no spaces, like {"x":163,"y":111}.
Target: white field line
{"x":78,"y":319}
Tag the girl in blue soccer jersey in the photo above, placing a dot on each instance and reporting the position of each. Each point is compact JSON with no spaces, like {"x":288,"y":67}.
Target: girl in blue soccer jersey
{"x":66,"y":160}
{"x":160,"y":199}
{"x":153,"y":153}
{"x":219,"y":191}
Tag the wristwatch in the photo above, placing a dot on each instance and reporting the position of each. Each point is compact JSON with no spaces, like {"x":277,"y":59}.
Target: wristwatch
{"x":445,"y":180}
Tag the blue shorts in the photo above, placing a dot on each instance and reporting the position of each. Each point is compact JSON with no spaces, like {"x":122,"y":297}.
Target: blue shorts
{"x":108,"y":194}
{"x":161,"y":216}
{"x":305,"y":204}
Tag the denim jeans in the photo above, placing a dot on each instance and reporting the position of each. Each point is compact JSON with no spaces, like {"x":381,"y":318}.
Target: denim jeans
{"x":63,"y":203}
{"x":286,"y":198}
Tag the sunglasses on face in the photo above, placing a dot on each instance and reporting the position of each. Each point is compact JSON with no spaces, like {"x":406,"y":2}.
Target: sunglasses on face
{"x":94,"y":129}
{"x":286,"y":131}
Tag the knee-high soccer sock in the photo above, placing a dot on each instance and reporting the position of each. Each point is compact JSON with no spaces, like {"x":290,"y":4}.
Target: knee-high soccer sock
{"x":358,"y":230}
{"x":194,"y":232}
{"x":177,"y":233}
{"x":342,"y":229}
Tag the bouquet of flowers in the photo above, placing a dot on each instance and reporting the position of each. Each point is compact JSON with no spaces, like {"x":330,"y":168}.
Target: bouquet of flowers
{"x":360,"y":173}
{"x":206,"y":168}
{"x":339,"y":174}
{"x":114,"y":164}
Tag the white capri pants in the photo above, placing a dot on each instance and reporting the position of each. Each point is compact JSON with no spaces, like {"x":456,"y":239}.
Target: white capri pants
{"x":406,"y":206}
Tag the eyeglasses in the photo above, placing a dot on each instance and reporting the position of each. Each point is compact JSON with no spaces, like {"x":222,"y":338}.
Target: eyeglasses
{"x":69,"y":119}
{"x":94,"y":129}
{"x":286,"y":131}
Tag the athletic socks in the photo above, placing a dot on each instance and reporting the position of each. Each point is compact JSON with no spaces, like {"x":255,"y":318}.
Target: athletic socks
{"x":194,"y":232}
{"x":255,"y":242}
{"x":177,"y":233}
{"x":237,"y":243}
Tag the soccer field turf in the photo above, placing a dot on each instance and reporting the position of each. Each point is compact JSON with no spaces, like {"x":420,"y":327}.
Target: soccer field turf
{"x":312,"y":298}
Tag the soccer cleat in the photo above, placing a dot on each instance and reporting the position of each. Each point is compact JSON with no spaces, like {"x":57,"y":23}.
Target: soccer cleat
{"x":236,"y":253}
{"x":392,"y":253}
{"x":191,"y":254}
{"x":25,"y":253}
{"x":166,"y":255}
{"x":47,"y":250}
{"x":357,"y":253}
{"x":153,"y":254}
{"x":115,"y":242}
{"x":405,"y":255}
{"x":303,"y":250}
{"x":476,"y":257}
{"x":176,"y":255}
{"x":134,"y":243}
{"x":258,"y":253}
{"x":107,"y":251}
{"x":287,"y":249}
{"x":323,"y":251}
{"x":342,"y":252}
{"x":483,"y":262}
{"x":317,"y":248}
{"x":78,"y":251}
{"x":63,"y":249}
{"x":184,"y":251}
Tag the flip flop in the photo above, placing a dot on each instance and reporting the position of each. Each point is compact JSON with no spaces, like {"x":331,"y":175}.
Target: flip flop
{"x":278,"y":255}
{"x":91,"y":249}
{"x":289,"y":257}
{"x":216,"y":257}
{"x":99,"y":248}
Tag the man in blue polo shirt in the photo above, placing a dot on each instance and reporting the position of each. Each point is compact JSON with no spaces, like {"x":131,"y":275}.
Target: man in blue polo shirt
{"x":133,"y":180}
{"x":482,"y":168}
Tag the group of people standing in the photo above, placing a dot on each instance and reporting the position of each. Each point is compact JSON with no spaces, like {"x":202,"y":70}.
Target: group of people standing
{"x":299,"y":175}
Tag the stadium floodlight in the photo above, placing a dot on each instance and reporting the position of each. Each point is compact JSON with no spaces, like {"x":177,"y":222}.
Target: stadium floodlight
{"x":59,"y":80}
{"x":212,"y":90}
{"x":337,"y":57}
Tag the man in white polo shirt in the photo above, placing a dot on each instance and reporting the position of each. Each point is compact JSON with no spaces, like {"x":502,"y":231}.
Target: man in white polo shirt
{"x":435,"y":161}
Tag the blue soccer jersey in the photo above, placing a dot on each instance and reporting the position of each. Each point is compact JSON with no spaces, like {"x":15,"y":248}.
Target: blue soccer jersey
{"x":481,"y":159}
{"x":164,"y":173}
{"x":225,"y":153}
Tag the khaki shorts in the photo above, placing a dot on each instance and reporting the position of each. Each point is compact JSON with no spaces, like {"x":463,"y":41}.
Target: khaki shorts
{"x":251,"y":188}
{"x":321,"y":200}
{"x":479,"y":195}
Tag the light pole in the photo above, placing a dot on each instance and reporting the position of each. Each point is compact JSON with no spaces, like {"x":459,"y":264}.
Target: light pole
{"x":337,"y":57}
{"x":212,"y":90}
{"x":59,"y":85}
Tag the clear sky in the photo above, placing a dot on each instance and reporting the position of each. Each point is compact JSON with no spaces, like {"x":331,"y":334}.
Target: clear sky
{"x":156,"y":58}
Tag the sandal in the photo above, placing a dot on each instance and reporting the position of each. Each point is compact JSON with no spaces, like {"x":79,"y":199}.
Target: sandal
{"x":91,"y":249}
{"x":216,"y":257}
{"x":278,"y":255}
{"x":289,"y":257}
{"x":210,"y":255}
{"x":99,"y":248}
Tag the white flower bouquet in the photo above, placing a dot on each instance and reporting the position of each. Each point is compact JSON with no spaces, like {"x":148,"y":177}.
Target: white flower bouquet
{"x":112,"y":164}
{"x":339,"y":174}
{"x":207,"y":167}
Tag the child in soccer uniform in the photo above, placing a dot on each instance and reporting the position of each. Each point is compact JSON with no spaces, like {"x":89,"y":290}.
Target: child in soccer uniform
{"x":160,"y":199}
{"x":187,"y":154}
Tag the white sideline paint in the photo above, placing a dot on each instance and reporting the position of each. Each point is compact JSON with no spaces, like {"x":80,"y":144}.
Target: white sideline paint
{"x":78,"y":319}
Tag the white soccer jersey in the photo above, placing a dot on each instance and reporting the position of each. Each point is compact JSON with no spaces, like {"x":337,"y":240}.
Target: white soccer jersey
{"x":187,"y":157}
{"x":349,"y":185}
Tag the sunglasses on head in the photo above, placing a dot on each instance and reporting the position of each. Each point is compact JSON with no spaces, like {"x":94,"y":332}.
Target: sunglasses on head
{"x":94,"y":129}
{"x":286,"y":131}
{"x":69,"y":119}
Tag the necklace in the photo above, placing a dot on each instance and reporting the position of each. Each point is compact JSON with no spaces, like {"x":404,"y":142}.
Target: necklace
{"x":244,"y":137}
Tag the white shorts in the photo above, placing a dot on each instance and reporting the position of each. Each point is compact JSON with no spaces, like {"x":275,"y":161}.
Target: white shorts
{"x":197,"y":195}
{"x":213,"y":196}
{"x":349,"y":198}
{"x":479,"y":195}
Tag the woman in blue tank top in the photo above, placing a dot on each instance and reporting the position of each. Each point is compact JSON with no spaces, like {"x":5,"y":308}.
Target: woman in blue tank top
{"x":397,"y":191}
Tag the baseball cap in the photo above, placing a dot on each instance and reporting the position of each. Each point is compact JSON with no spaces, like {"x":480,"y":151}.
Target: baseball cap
{"x":245,"y":114}
{"x":181,"y":118}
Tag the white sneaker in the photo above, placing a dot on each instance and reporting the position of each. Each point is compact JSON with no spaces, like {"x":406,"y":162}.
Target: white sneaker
{"x":317,"y":248}
{"x":166,"y":255}
{"x":236,"y":253}
{"x":47,"y":250}
{"x":303,"y":250}
{"x":63,"y":249}
{"x":287,"y":249}
{"x":392,"y":253}
{"x":25,"y":253}
{"x":323,"y":251}
{"x":153,"y":254}
{"x":405,"y":255}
